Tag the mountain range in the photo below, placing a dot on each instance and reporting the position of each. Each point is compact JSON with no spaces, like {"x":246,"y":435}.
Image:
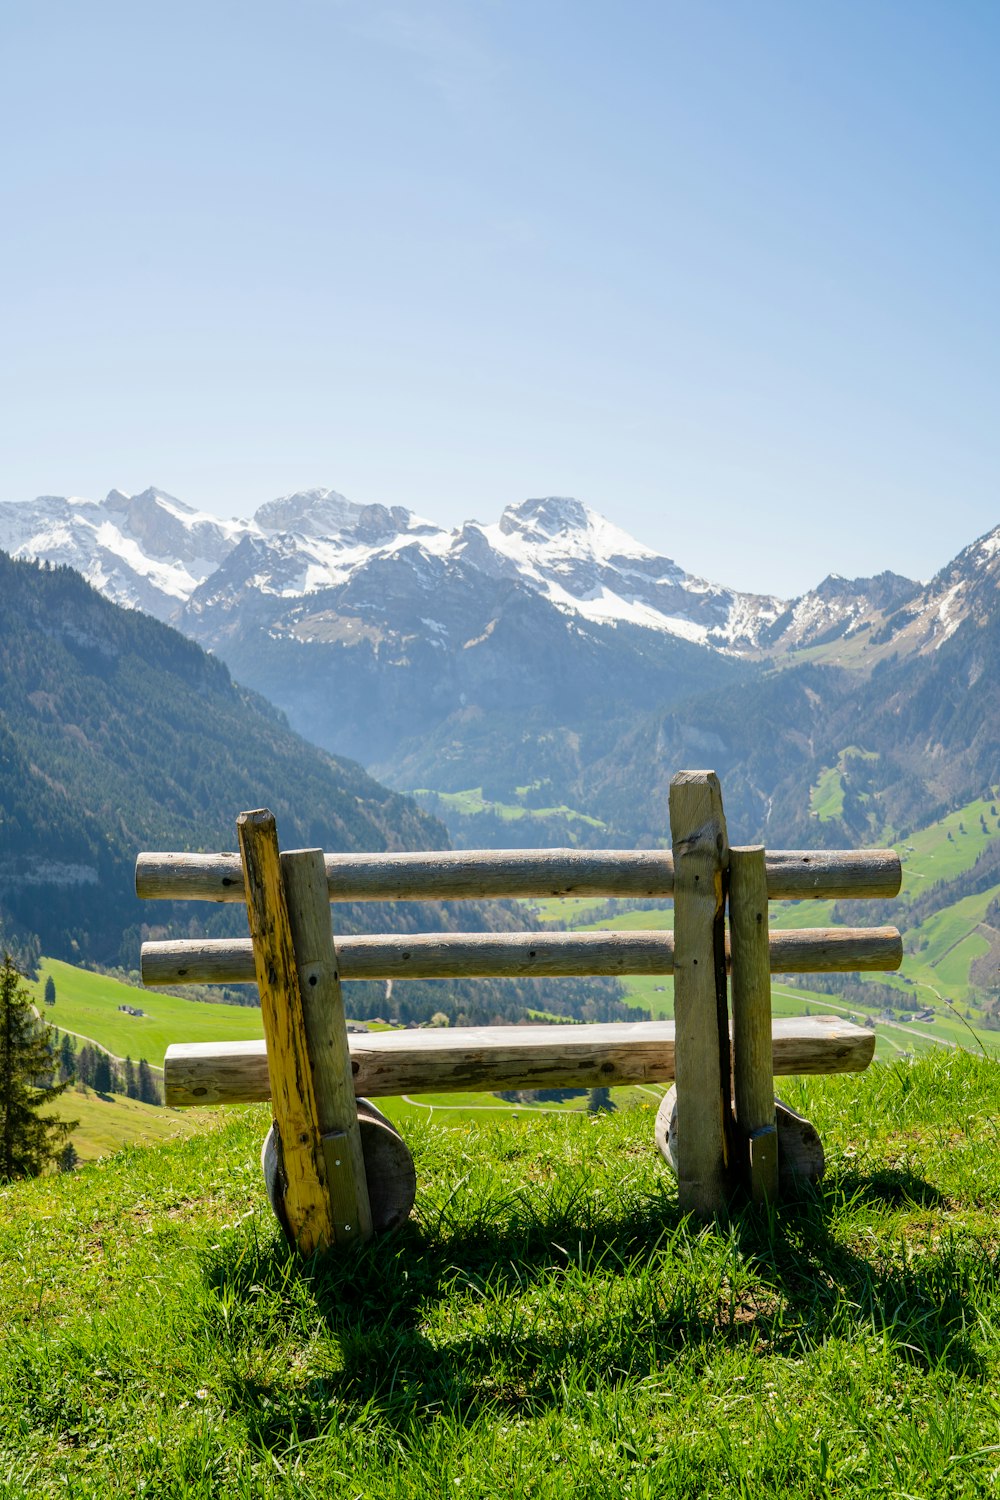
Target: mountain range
{"x":538,"y":678}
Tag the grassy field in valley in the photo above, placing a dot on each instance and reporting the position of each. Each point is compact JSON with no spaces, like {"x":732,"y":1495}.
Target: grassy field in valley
{"x":107,"y":1122}
{"x":87,"y":1004}
{"x":546,"y":1325}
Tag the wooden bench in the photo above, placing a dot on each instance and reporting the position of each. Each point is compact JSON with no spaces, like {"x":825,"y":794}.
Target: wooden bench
{"x":332,"y":1159}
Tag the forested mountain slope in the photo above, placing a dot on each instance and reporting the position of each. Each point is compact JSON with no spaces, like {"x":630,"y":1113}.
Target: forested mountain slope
{"x":117,"y":733}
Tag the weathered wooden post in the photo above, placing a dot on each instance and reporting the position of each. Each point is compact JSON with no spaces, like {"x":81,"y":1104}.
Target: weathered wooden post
{"x":753,"y":1082}
{"x":312,"y":1090}
{"x":701,"y":1016}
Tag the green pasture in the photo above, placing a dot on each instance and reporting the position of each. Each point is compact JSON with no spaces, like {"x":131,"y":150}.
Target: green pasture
{"x":471,"y":802}
{"x":941,"y":949}
{"x":929,"y":855}
{"x":453,"y":1109}
{"x":107,"y":1122}
{"x":87,"y":1004}
{"x":826,"y":799}
{"x":547,"y":1326}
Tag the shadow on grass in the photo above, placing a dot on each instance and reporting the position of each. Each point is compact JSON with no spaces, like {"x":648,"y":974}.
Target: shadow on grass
{"x":499,"y":1314}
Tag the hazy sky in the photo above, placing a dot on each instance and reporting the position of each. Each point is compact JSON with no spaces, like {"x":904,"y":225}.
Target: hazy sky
{"x":727,"y":272}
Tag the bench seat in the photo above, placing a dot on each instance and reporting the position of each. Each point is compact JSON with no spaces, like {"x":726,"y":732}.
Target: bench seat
{"x":489,"y":1059}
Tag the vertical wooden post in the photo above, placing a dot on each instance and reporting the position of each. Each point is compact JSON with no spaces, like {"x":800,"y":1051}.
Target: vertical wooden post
{"x":753,"y":1079}
{"x":293,"y":1095}
{"x":702,"y":1071}
{"x":307,"y":894}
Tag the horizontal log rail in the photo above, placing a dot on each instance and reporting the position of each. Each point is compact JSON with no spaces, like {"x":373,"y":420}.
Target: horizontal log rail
{"x":460,"y":875}
{"x":821,"y":950}
{"x":478,"y":1059}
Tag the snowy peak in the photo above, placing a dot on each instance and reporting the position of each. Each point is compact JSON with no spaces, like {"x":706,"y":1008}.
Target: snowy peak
{"x":965,"y":590}
{"x":546,"y":517}
{"x":155,"y":552}
{"x":587,"y":565}
{"x":148,"y":551}
{"x":309,"y":512}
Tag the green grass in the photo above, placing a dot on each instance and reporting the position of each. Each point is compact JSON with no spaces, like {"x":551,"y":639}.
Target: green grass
{"x":929,"y":855}
{"x":87,"y":1004}
{"x":106,"y":1123}
{"x":547,"y":1325}
{"x":826,"y":799}
{"x":471,"y":802}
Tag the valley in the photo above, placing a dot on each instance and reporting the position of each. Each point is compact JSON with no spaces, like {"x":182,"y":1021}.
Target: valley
{"x":531,"y":682}
{"x":932,"y":1003}
{"x":538,"y":678}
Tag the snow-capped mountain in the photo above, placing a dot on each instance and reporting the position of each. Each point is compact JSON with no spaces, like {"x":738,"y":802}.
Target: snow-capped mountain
{"x":146,"y":551}
{"x":153,"y":552}
{"x":547,"y":655}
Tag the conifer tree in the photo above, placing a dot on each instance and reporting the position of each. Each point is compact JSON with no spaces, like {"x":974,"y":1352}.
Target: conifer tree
{"x":131,"y":1082}
{"x":50,"y":990}
{"x":103,"y":1080}
{"x":149,"y":1091}
{"x":85,"y":1065}
{"x":28,"y":1139}
{"x":67,"y":1059}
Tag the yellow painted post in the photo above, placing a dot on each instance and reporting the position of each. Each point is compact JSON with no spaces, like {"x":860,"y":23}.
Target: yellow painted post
{"x":293,"y":1100}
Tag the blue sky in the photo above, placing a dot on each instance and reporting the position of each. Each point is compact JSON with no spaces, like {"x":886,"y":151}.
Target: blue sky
{"x":726,"y":272}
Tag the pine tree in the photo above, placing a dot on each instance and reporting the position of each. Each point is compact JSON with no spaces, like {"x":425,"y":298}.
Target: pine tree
{"x":102,"y":1074}
{"x":149,"y":1091}
{"x":50,"y":990}
{"x":598,"y":1100}
{"x":28,"y":1139}
{"x":67,"y":1059}
{"x":86,"y":1064}
{"x":131,"y":1082}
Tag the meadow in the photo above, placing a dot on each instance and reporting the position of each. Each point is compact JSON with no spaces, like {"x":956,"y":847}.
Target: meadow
{"x":87,"y":1005}
{"x":546,"y":1325}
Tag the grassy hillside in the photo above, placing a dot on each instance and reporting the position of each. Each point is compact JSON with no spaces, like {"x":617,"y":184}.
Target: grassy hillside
{"x":87,"y":1004}
{"x":107,"y":1122}
{"x":545,"y":1326}
{"x":118,"y":734}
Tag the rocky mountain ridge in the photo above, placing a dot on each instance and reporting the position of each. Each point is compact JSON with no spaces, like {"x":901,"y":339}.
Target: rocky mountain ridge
{"x":549,"y":662}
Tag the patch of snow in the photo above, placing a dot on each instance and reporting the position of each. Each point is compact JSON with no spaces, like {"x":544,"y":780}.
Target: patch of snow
{"x":950,"y":620}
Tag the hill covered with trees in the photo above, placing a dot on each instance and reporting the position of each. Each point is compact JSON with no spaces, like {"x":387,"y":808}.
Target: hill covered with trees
{"x":119,"y":734}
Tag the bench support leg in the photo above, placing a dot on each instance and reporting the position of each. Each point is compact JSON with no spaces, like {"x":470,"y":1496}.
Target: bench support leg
{"x":326,"y":1199}
{"x":753,"y":1081}
{"x":702,"y":1065}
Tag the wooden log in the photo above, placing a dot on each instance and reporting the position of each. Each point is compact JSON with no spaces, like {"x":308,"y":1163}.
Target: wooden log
{"x":820,"y":950}
{"x":304,"y":877}
{"x":478,"y":1059}
{"x":293,"y":1099}
{"x":753,"y":1084}
{"x":464,"y":875}
{"x":701,"y":857}
{"x":800,"y":1151}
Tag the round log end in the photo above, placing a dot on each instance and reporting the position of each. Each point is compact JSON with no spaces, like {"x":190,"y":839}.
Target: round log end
{"x":389,"y":1172}
{"x":800,"y":1150}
